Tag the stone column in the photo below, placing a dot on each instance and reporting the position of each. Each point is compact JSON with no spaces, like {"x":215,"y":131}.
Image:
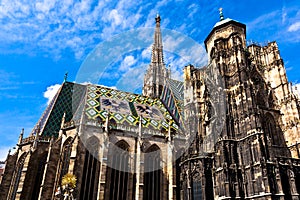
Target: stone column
{"x":100,"y":191}
{"x":291,"y":175}
{"x":138,"y":161}
{"x":170,"y":164}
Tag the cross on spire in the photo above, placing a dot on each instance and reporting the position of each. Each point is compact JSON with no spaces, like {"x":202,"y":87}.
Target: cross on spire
{"x":221,"y":14}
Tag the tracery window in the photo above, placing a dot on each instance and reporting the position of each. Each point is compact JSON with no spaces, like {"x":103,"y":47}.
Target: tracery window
{"x":272,"y":130}
{"x":17,"y":175}
{"x":67,"y":148}
{"x":39,"y":176}
{"x":91,"y":170}
{"x":152,"y":174}
{"x":118,"y":172}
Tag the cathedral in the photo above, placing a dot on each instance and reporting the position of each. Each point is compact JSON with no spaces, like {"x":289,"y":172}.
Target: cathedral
{"x":228,"y":131}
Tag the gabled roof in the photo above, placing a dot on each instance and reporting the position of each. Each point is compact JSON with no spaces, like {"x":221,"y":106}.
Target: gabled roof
{"x":66,"y":101}
{"x":96,"y":102}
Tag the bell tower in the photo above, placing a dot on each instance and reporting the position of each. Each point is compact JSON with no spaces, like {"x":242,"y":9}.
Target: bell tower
{"x":156,"y":75}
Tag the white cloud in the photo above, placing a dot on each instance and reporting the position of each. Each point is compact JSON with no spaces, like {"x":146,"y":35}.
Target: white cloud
{"x":294,"y":27}
{"x":133,"y":76}
{"x":112,"y":87}
{"x":86,"y":83}
{"x":171,"y":44}
{"x":146,"y":53}
{"x":127,"y":63}
{"x":45,"y":6}
{"x":4,"y":152}
{"x":265,"y":20}
{"x":115,"y":17}
{"x":280,"y":25}
{"x":50,"y":92}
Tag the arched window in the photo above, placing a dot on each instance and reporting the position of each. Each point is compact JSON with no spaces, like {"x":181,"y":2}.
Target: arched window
{"x":152,"y":174}
{"x":17,"y":175}
{"x":179,"y":157}
{"x":91,"y":170}
{"x":39,"y":176}
{"x":260,"y":99}
{"x":272,"y":130}
{"x":271,"y":100}
{"x":64,"y":161}
{"x":67,"y":148}
{"x":197,"y":185}
{"x":118,"y":172}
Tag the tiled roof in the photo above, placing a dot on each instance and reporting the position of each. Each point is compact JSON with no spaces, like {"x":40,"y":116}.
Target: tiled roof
{"x":172,"y":97}
{"x":177,"y":88}
{"x":96,"y":102}
{"x":126,"y":107}
{"x":66,"y":101}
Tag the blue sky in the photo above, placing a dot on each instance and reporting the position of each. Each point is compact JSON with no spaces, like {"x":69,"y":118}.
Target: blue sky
{"x":41,"y":40}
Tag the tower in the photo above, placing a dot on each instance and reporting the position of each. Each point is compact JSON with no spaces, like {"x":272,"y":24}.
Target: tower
{"x":251,"y":156}
{"x":156,"y":75}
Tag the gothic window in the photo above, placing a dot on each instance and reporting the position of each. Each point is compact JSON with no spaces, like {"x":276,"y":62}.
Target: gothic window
{"x":272,"y":130}
{"x":272,"y":179}
{"x":197,"y":187}
{"x":67,"y":148}
{"x":260,"y":99}
{"x":271,"y":100}
{"x":179,"y":157}
{"x":285,"y":182}
{"x":297,"y":179}
{"x":152,"y":174}
{"x":209,"y":192}
{"x":91,"y":170}
{"x":17,"y":175}
{"x":212,"y":53}
{"x":39,"y":176}
{"x":118,"y":171}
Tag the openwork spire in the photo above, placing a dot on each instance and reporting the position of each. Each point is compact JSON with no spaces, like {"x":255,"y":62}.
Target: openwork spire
{"x":157,"y":48}
{"x":157,"y":74}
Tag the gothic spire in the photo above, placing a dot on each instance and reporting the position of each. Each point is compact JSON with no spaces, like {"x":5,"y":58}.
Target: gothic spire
{"x":157,"y":74}
{"x":157,"y":48}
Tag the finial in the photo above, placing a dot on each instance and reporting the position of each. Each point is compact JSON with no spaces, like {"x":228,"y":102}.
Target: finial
{"x":66,"y":76}
{"x":221,"y":14}
{"x":157,"y":18}
{"x":21,"y":136}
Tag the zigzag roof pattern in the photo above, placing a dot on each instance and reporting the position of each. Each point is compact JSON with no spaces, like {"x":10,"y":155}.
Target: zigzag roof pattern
{"x":124,"y":107}
{"x":96,"y":103}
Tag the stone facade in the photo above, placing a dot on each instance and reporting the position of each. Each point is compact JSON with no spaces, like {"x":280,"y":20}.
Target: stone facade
{"x":256,"y":155}
{"x":125,"y":146}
